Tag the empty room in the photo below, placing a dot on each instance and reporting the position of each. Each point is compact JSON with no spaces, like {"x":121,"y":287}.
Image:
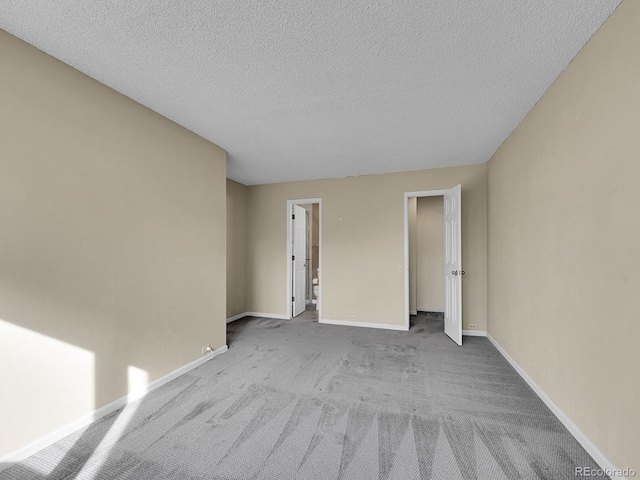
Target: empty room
{"x":318,"y":240}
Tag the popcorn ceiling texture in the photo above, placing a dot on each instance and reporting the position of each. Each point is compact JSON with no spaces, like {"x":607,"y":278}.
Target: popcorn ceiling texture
{"x":315,"y":89}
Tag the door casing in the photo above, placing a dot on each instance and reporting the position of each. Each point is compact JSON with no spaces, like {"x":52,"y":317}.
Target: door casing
{"x":407,"y":195}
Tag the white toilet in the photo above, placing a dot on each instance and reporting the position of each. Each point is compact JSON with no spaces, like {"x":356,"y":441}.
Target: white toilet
{"x":316,"y":285}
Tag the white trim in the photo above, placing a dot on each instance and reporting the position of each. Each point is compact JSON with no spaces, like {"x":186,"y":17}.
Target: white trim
{"x":43,"y":442}
{"x":407,"y":196}
{"x":413,"y":312}
{"x":314,"y":301}
{"x":474,"y":333}
{"x":302,"y":201}
{"x":268,"y":315}
{"x":427,"y":193}
{"x":348,"y":323}
{"x":582,"y":439}
{"x":236,"y":317}
{"x":431,"y":310}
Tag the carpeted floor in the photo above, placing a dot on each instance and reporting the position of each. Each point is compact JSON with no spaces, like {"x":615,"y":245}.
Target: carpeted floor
{"x":297,"y":399}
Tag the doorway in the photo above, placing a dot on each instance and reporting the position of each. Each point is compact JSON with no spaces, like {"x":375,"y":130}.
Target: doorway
{"x":452,"y":277}
{"x":304,"y":258}
{"x":426,"y":255}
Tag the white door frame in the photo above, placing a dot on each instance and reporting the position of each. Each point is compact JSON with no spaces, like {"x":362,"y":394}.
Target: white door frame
{"x":290,"y":203}
{"x":407,"y":196}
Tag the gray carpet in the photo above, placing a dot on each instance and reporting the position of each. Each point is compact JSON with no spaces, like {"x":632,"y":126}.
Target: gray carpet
{"x":296,"y":399}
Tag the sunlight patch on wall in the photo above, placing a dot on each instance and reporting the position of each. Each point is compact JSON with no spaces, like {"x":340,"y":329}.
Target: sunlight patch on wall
{"x":45,"y":383}
{"x":138,"y":380}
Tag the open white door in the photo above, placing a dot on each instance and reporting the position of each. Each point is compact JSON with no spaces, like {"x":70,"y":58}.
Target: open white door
{"x":453,"y":265}
{"x":299,"y":260}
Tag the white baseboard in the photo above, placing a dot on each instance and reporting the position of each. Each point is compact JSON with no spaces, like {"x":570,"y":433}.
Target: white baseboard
{"x":474,"y":333}
{"x":236,"y":317}
{"x":434,"y":310}
{"x":363,"y":324}
{"x":413,"y":312}
{"x":582,"y":439}
{"x":267,"y":315}
{"x":314,"y":301}
{"x":43,"y":442}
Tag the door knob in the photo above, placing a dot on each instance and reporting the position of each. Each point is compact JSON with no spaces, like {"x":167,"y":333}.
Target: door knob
{"x":457,"y":272}
{"x":454,"y":273}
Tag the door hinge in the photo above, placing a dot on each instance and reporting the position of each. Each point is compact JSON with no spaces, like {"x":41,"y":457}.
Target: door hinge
{"x":293,"y":217}
{"x":293,"y":257}
{"x":293,"y":299}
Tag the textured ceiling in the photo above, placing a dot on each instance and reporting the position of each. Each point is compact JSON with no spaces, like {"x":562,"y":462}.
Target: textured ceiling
{"x":314,"y":89}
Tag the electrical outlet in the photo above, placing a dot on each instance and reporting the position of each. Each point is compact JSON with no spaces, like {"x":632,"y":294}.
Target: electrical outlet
{"x":472,"y":326}
{"x":352,"y":317}
{"x":207,"y":349}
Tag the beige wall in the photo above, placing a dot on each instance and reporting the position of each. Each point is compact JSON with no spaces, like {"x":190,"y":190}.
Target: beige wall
{"x":564,"y":240}
{"x":430,"y":254}
{"x":112,"y":244}
{"x":362,"y":243}
{"x":236,"y":246}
